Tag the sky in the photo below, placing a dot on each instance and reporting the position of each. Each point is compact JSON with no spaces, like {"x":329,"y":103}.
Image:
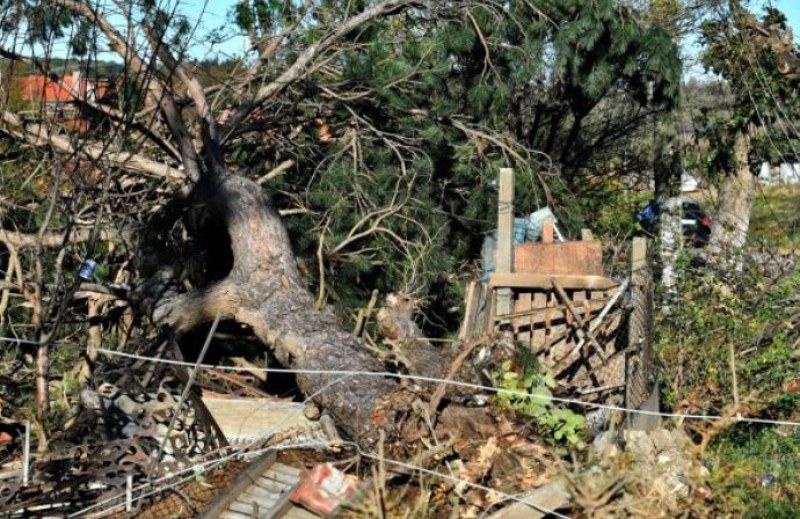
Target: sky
{"x":215,"y":17}
{"x":216,"y":11}
{"x":791,"y":8}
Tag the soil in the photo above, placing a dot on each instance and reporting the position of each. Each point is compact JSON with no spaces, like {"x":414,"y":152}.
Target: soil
{"x":196,"y":495}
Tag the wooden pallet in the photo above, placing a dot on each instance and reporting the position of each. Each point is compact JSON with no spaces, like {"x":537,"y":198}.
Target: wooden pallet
{"x":260,"y":492}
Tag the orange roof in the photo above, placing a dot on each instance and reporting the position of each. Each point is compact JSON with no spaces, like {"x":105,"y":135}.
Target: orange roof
{"x":41,"y":88}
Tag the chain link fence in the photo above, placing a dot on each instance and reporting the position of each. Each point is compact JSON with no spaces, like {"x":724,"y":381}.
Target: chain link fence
{"x":641,"y":391}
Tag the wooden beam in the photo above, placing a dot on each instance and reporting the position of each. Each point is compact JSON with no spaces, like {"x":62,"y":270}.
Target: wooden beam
{"x":504,"y":257}
{"x":544,"y":281}
{"x":537,"y":314}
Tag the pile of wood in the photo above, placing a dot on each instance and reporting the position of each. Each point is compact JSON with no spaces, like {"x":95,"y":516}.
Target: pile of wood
{"x":555,"y":299}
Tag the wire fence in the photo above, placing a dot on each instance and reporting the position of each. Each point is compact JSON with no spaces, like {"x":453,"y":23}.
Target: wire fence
{"x":155,"y":487}
{"x":479,"y":388}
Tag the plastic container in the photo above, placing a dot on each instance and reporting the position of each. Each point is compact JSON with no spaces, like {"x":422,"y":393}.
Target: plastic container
{"x":87,"y":269}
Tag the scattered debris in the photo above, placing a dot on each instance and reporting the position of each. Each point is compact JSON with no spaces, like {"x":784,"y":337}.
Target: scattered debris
{"x":323,"y":488}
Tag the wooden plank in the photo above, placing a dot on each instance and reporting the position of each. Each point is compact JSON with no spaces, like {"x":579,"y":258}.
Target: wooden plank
{"x":245,"y":499}
{"x":556,"y":312}
{"x":242,"y":482}
{"x":548,"y":231}
{"x":638,"y":259}
{"x":280,"y":477}
{"x":299,"y":513}
{"x":522,"y":320}
{"x":284,"y":505}
{"x":248,"y":509}
{"x":504,"y":256}
{"x":571,"y":258}
{"x":266,"y":505}
{"x":470,"y":312}
{"x":538,"y":336}
{"x":257,"y":491}
{"x":270,"y":485}
{"x":288,"y":470}
{"x":228,"y":514}
{"x":544,"y":281}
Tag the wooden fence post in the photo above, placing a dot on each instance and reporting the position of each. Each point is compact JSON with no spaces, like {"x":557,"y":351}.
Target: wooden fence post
{"x":504,"y":257}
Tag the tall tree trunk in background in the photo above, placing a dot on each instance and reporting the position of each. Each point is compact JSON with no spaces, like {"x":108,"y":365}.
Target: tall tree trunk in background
{"x":667,"y":176}
{"x":736,"y":194}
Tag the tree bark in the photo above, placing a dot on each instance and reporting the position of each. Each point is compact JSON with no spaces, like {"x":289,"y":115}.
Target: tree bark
{"x":736,"y":195}
{"x":667,"y":177}
{"x":265,"y":291}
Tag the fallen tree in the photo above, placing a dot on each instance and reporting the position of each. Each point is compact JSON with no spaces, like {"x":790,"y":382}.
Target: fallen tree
{"x":263,"y":288}
{"x":265,"y":291}
{"x":195,"y":139}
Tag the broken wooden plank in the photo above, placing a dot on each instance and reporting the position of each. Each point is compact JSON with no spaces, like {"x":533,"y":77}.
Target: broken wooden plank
{"x":545,"y":281}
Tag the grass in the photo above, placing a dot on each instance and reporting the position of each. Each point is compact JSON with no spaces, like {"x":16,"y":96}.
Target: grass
{"x":756,"y":472}
{"x":775,"y":221}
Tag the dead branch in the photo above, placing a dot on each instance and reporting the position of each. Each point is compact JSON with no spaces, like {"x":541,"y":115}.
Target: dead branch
{"x":455,"y":367}
{"x":39,"y":136}
{"x":51,"y":240}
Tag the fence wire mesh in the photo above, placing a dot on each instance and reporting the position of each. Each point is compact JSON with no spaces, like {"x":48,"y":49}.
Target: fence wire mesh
{"x":641,"y":370}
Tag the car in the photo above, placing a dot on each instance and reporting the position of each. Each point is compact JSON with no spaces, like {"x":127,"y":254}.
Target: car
{"x":695,"y":223}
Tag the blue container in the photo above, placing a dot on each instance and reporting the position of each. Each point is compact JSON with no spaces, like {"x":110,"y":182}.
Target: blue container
{"x":87,"y":269}
{"x":520,"y":230}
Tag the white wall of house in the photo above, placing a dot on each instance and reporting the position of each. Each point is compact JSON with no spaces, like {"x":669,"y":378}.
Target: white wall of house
{"x":785,"y":173}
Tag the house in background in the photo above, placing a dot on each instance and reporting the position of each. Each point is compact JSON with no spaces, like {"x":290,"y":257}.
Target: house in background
{"x":62,"y":99}
{"x":785,"y":173}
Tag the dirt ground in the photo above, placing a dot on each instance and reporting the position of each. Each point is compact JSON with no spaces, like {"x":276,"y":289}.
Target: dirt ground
{"x":191,"y":498}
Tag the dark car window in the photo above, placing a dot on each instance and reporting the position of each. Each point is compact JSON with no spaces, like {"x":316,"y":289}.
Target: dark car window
{"x":692,"y":211}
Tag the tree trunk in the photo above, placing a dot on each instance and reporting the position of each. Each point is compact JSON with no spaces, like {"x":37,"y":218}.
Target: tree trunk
{"x":265,"y":291}
{"x":736,"y":194}
{"x":667,"y":177}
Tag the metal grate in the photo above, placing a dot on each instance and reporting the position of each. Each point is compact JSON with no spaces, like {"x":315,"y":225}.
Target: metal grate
{"x":641,"y":370}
